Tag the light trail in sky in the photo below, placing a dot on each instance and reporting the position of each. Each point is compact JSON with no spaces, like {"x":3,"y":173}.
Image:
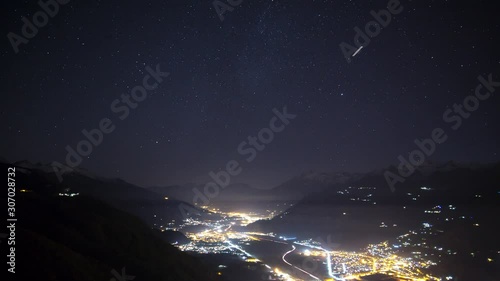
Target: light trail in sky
{"x":357,"y":51}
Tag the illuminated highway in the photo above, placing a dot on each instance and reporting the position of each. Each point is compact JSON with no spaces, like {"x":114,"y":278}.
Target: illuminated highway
{"x":284,"y":260}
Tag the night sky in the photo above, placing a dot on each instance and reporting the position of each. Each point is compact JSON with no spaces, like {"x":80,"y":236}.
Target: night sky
{"x":227,"y":76}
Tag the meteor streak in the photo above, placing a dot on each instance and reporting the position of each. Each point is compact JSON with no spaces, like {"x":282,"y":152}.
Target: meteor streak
{"x":357,"y":51}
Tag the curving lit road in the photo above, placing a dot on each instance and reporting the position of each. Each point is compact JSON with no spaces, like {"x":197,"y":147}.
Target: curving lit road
{"x":284,"y":260}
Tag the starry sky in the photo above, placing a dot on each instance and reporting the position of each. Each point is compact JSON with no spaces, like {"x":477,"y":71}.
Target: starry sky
{"x":227,"y":76}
